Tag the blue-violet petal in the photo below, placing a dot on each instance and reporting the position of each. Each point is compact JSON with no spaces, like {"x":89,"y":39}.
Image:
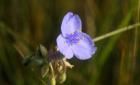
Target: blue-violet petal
{"x":71,"y":23}
{"x":84,"y":49}
{"x":63,"y":47}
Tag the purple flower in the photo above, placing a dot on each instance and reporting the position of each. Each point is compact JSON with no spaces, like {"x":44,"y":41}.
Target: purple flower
{"x":72,"y":41}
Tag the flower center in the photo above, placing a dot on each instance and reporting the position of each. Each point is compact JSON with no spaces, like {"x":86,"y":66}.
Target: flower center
{"x":73,"y":38}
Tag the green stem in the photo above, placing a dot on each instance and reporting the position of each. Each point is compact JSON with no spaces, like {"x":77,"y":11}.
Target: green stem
{"x":52,"y":80}
{"x":116,"y":32}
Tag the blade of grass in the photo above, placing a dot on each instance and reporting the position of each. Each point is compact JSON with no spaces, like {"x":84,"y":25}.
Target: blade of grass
{"x":118,"y":31}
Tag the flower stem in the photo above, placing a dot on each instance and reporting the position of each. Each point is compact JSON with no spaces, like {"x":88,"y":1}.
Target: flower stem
{"x":116,"y":32}
{"x":52,"y":81}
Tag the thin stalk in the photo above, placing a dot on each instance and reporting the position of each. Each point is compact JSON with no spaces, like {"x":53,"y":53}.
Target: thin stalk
{"x":135,"y":48}
{"x":52,"y":80}
{"x":136,"y":31}
{"x":116,"y":32}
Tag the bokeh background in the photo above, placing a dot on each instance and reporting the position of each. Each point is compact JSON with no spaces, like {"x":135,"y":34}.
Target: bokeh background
{"x":24,"y":24}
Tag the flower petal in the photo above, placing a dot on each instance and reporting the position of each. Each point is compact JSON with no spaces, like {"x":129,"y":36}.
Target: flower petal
{"x":71,"y":23}
{"x":85,"y":48}
{"x":63,"y":47}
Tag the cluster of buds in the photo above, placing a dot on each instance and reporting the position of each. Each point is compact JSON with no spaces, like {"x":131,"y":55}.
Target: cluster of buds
{"x":51,"y":65}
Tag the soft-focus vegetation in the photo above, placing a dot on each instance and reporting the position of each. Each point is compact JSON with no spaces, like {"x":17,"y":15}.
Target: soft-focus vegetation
{"x":24,"y":24}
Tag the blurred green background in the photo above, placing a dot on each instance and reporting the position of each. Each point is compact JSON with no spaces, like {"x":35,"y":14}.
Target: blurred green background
{"x":24,"y":24}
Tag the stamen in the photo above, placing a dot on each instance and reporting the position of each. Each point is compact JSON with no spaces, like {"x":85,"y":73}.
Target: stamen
{"x":73,"y":38}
